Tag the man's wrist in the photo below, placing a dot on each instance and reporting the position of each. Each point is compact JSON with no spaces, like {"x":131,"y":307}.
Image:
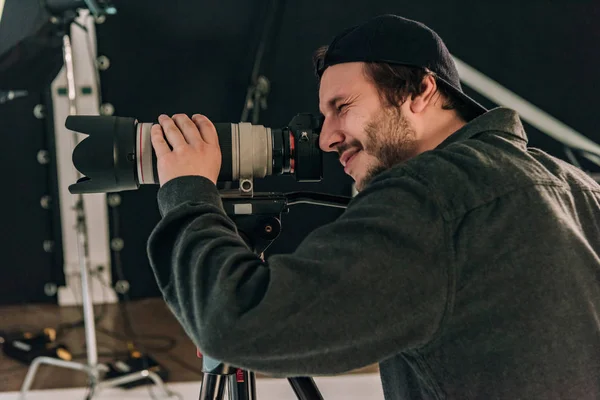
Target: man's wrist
{"x":184,"y":189}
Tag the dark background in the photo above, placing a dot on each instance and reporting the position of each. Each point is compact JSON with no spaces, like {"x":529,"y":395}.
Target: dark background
{"x":197,"y":56}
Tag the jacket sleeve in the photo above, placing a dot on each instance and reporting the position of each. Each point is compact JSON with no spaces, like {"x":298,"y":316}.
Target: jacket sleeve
{"x":355,"y":292}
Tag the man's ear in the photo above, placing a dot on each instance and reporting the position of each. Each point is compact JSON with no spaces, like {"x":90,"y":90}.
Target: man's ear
{"x":419,"y":103}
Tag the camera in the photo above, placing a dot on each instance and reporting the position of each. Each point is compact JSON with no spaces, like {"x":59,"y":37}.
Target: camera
{"x":118,"y":154}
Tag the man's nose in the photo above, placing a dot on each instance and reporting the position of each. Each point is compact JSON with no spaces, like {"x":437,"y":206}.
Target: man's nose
{"x":330,"y":138}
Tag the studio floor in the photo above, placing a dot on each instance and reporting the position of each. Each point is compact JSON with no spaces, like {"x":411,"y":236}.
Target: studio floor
{"x":346,"y":387}
{"x":164,"y":340}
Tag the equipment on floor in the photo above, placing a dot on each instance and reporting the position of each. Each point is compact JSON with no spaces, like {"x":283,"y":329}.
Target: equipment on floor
{"x":26,"y":346}
{"x":135,"y":363}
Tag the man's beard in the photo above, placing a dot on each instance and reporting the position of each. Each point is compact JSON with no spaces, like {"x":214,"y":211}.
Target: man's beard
{"x":391,"y":140}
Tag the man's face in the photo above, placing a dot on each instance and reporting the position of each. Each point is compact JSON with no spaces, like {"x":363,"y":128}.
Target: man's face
{"x":369,"y":136}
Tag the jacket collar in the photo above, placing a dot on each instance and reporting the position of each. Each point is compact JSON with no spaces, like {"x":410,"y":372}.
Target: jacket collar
{"x":500,"y":120}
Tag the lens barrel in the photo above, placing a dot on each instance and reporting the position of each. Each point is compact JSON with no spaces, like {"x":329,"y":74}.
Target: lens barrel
{"x":118,"y":154}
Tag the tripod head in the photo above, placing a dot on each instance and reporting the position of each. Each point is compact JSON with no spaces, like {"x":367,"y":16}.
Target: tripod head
{"x":258,"y":218}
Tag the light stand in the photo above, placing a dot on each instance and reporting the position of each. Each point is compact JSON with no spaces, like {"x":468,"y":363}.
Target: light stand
{"x":260,"y":86}
{"x":93,"y":369}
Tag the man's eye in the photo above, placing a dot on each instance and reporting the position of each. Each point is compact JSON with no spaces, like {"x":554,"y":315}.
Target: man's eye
{"x":341,"y":107}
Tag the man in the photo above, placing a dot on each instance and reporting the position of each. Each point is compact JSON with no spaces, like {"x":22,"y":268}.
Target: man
{"x":467,"y":266}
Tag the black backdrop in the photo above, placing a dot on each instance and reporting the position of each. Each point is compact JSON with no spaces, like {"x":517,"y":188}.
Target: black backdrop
{"x":186,"y":56}
{"x":26,"y":265}
{"x":197,"y":56}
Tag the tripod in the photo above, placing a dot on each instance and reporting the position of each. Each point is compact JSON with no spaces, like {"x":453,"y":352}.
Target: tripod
{"x":93,"y":369}
{"x":258,"y":219}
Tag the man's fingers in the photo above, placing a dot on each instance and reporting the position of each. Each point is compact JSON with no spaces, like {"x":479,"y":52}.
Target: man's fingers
{"x":207,"y":129}
{"x":187,"y":128}
{"x":172,"y":132}
{"x":158,"y":141}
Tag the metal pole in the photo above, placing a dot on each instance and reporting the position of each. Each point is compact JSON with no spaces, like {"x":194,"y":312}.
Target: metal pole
{"x":88,"y":308}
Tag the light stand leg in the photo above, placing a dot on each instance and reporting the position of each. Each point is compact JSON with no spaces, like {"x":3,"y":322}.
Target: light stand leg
{"x":136,"y":376}
{"x":49,"y":361}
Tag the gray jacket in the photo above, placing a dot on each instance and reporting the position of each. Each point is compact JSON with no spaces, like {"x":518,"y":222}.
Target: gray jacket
{"x":469,"y":272}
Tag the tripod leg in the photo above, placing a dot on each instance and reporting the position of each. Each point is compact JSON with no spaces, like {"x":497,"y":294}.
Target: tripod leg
{"x":242,"y":385}
{"x":215,"y":378}
{"x":305,"y":388}
{"x":213,"y":387}
{"x":252,"y":386}
{"x":232,"y":387}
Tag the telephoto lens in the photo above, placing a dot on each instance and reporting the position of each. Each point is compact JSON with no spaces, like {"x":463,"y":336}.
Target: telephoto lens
{"x":118,"y":154}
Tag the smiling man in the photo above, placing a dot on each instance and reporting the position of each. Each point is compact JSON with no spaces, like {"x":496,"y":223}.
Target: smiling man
{"x":466,"y":267}
{"x":357,"y":114}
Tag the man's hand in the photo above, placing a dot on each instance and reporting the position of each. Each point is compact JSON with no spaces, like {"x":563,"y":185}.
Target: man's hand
{"x":195,"y":146}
